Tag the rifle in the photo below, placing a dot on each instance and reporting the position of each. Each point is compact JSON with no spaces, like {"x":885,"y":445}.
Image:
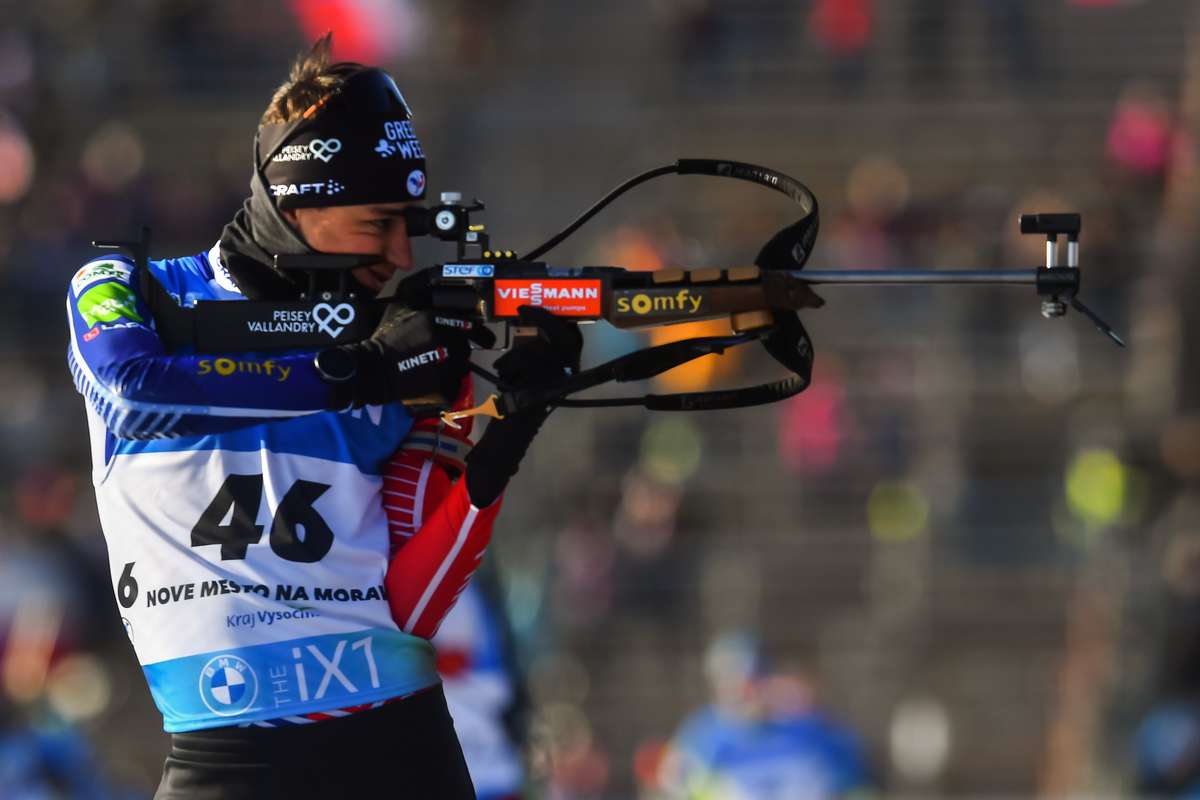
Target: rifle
{"x":483,"y":293}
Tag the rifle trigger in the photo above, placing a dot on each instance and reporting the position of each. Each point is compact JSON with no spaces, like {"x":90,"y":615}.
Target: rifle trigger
{"x":485,"y":409}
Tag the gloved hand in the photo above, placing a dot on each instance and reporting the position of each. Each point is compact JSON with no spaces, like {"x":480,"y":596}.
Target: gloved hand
{"x":554,"y":353}
{"x":411,"y":356}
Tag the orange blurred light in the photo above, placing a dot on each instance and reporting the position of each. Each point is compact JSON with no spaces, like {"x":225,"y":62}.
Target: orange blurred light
{"x":702,"y":372}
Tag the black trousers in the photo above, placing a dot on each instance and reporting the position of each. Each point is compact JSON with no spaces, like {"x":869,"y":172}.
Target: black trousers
{"x":406,"y":749}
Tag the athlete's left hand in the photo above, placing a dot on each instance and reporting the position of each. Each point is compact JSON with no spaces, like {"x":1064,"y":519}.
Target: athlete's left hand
{"x":537,"y":360}
{"x":549,"y":355}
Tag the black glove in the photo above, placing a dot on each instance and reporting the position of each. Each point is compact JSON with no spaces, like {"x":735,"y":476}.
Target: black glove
{"x":553,"y":354}
{"x":411,"y":356}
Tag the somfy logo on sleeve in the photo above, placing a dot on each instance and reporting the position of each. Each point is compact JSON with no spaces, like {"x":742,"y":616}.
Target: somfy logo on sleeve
{"x":228,"y":685}
{"x":323,"y":314}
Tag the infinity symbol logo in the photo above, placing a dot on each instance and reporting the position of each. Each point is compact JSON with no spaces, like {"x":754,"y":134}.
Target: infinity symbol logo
{"x":325,"y":149}
{"x":342,"y":314}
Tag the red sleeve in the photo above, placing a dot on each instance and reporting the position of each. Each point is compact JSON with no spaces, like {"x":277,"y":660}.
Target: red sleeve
{"x":425,"y":578}
{"x":437,"y":536}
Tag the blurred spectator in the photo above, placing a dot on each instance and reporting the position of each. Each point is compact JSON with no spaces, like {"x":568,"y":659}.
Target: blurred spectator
{"x":56,"y":600}
{"x":874,"y":225}
{"x":928,"y":21}
{"x":654,"y":506}
{"x":1142,"y":141}
{"x":582,"y":589}
{"x":762,"y":737}
{"x":484,"y":688}
{"x":1014,"y":41}
{"x":1167,"y":749}
{"x":813,"y":425}
{"x":56,"y":616}
{"x":843,"y":28}
{"x":16,"y":161}
{"x":1009,"y":29}
{"x":698,"y":34}
{"x":1140,"y":134}
{"x":367,"y":32}
{"x":50,"y":761}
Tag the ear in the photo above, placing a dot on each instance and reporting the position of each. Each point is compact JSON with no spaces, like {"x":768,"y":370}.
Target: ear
{"x":291,"y":216}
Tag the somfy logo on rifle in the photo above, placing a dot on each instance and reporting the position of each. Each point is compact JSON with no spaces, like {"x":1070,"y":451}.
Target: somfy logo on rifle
{"x":651,"y":303}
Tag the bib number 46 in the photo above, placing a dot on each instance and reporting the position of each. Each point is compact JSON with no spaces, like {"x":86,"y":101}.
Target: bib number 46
{"x":298,"y":532}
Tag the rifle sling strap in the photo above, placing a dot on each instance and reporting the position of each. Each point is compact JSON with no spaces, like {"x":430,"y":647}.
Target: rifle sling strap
{"x":786,"y":340}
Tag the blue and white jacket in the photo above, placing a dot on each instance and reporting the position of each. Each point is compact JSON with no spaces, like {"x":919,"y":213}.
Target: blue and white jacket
{"x":244,"y":523}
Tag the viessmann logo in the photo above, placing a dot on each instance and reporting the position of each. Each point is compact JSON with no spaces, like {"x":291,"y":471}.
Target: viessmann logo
{"x":571,"y":298}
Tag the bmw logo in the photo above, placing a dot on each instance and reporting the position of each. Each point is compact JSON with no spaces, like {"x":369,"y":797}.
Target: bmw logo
{"x":416,"y":182}
{"x":228,"y":685}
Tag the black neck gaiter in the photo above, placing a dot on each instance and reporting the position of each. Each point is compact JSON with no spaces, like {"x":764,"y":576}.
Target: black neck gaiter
{"x":249,"y":244}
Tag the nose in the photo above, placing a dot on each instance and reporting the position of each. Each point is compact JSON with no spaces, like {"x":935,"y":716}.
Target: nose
{"x":398,"y":247}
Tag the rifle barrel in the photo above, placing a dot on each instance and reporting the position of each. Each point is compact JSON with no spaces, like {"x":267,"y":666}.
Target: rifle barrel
{"x":922,"y":276}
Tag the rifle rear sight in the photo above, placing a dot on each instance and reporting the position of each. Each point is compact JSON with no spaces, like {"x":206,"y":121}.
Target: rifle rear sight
{"x":452,"y":223}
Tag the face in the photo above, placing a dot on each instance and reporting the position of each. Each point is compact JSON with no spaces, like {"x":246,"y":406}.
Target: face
{"x":375,"y":229}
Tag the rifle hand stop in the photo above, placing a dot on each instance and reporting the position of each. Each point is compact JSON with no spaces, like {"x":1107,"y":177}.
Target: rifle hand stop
{"x":1058,"y":286}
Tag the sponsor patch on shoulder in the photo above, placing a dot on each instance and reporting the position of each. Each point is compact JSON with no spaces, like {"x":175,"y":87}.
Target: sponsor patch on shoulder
{"x":100,"y":271}
{"x":108,"y":302}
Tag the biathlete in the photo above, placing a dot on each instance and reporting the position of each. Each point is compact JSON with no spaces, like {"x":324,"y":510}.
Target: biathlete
{"x":283,"y":630}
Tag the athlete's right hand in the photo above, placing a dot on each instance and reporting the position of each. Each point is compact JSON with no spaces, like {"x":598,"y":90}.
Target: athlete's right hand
{"x":412,"y":357}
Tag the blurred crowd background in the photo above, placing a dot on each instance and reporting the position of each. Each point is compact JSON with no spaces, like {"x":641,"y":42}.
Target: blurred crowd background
{"x":974,"y":542}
